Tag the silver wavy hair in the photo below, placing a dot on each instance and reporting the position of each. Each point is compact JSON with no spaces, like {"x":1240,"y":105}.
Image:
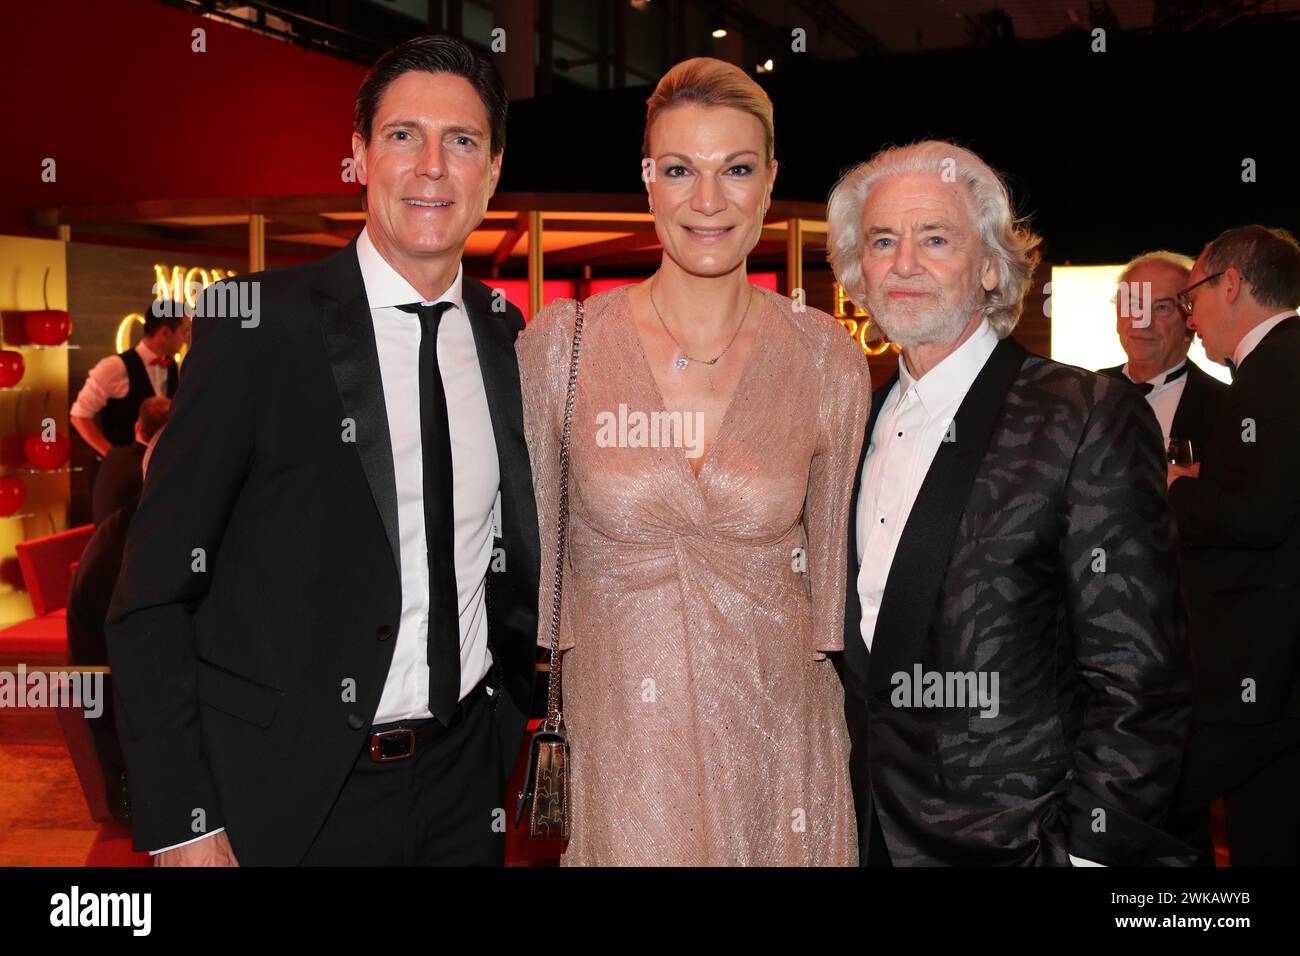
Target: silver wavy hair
{"x":1013,"y":246}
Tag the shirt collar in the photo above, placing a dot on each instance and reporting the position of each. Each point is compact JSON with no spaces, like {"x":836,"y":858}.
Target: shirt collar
{"x":951,"y":379}
{"x":146,"y":354}
{"x":1157,"y":381}
{"x":385,"y":286}
{"x":1256,"y":335}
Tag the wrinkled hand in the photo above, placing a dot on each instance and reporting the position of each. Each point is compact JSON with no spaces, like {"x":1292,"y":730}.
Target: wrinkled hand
{"x":1184,"y":471}
{"x":214,"y":851}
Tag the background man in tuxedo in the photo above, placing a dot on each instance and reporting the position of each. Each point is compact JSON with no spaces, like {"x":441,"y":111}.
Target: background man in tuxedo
{"x":1010,"y":524}
{"x":308,"y":665}
{"x":1154,"y":333}
{"x":1238,"y":515}
{"x":88,"y":600}
{"x":121,"y":474}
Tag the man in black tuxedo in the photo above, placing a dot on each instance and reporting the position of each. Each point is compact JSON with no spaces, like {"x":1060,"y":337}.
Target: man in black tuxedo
{"x":1014,"y":676}
{"x":1238,"y":514}
{"x":323,"y":639}
{"x":121,"y":473}
{"x":1155,"y":338}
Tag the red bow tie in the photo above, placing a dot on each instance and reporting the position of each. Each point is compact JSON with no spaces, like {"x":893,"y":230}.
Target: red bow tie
{"x":161,"y":360}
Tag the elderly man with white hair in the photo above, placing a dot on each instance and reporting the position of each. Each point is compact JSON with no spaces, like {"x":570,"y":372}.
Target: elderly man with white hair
{"x":1153,"y":332}
{"x":1014,"y":663}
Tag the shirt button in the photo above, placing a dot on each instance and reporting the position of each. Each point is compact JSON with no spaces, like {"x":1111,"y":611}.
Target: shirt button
{"x":882,"y":520}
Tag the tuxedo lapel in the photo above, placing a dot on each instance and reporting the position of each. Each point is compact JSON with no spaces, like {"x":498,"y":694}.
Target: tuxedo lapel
{"x":494,"y":341}
{"x":855,"y":651}
{"x":344,"y":312}
{"x":1191,"y":406}
{"x":921,"y":559}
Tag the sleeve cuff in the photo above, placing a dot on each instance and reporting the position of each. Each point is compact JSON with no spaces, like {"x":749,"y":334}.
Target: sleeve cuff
{"x":177,"y":846}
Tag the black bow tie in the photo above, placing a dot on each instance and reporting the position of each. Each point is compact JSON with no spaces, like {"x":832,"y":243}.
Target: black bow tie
{"x":1148,"y":388}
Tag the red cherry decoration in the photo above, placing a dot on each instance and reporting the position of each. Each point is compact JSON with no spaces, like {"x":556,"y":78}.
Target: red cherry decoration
{"x":47,"y":455}
{"x":12,"y":493}
{"x":48,"y":326}
{"x":12,"y":367}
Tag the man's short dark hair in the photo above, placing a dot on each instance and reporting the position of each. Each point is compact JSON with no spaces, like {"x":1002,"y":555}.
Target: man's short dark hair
{"x":1269,"y":259}
{"x":154,"y":413}
{"x":435,"y":54}
{"x":162,"y":312}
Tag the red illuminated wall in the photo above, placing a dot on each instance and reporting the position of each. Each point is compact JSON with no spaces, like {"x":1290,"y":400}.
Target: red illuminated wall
{"x":136,"y":115}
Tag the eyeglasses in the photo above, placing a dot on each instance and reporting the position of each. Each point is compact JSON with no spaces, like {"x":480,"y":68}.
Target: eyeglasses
{"x":1185,"y":301}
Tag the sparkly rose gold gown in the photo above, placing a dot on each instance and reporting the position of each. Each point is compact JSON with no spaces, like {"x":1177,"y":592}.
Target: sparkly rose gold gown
{"x":705,"y":722}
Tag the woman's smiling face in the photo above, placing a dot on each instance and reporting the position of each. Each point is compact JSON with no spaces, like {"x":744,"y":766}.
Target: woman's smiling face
{"x":711,"y":186}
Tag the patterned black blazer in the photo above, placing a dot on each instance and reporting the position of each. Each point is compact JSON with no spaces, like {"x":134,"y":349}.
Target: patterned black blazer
{"x":1041,"y":549}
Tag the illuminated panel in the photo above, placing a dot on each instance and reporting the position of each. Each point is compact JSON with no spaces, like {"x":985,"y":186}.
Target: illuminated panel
{"x":516,"y":291}
{"x":1082,"y":310}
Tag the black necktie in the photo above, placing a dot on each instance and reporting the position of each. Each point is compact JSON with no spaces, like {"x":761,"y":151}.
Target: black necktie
{"x":439,"y":520}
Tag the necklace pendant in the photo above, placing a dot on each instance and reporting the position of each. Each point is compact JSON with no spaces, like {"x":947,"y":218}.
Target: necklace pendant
{"x":680,"y":364}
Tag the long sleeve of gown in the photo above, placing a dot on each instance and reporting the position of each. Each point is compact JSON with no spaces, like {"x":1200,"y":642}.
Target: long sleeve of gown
{"x":543,"y":350}
{"x":845,"y":403}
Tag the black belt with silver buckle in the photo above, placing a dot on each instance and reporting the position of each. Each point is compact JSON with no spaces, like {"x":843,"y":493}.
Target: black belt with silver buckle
{"x":401,"y":742}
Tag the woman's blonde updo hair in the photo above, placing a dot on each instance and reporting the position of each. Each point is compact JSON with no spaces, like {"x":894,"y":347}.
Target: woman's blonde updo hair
{"x":705,"y":81}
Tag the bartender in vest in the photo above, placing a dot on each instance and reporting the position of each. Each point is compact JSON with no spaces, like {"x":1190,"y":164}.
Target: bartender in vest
{"x":108,"y":405}
{"x":1154,"y":333}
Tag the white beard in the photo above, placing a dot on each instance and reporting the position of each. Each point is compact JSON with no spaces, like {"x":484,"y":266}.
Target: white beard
{"x":909,"y":327}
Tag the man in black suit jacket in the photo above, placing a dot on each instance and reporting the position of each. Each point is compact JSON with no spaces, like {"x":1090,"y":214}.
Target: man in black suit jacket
{"x":121,"y":473}
{"x":1155,"y":338}
{"x":1238,"y":515}
{"x":324,"y":637}
{"x":1014,"y":679}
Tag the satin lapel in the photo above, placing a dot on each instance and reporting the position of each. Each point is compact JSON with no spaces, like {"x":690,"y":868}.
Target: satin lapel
{"x":921,"y":560}
{"x":349,"y":333}
{"x":494,"y":341}
{"x":1190,"y":406}
{"x":855,"y":651}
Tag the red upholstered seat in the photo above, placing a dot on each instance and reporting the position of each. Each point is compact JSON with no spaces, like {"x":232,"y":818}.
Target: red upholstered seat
{"x":46,"y":564}
{"x":41,"y":640}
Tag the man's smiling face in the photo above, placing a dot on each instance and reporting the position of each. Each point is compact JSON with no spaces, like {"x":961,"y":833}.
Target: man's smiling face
{"x":428,"y":168}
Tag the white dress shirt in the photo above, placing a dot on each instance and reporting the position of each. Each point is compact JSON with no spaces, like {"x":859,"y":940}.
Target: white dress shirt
{"x":911,"y":425}
{"x":476,"y":479}
{"x":108,"y":379}
{"x":1164,"y":395}
{"x":1256,"y":335}
{"x":913,"y":420}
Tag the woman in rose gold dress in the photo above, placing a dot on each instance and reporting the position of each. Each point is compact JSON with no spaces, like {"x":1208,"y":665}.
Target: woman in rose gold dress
{"x":707,"y":546}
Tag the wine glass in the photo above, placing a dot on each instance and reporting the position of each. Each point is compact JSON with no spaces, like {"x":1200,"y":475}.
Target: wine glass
{"x":1179,"y":451}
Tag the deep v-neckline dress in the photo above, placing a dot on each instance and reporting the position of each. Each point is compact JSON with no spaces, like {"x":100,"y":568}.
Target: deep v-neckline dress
{"x":706,"y":723}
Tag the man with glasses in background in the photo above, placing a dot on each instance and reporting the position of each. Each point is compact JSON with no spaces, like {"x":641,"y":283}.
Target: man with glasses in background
{"x":1153,"y":331}
{"x":1238,"y":514}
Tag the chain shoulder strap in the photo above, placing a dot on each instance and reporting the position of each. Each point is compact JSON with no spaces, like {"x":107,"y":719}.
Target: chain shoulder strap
{"x":562,"y":526}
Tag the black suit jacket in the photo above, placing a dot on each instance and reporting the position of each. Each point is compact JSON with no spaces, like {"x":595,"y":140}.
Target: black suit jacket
{"x":1040,"y":548}
{"x":1239,"y":525}
{"x":1203,"y":396}
{"x":118,"y":480}
{"x":251,"y":631}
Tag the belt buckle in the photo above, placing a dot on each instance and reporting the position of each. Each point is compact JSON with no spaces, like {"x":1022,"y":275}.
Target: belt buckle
{"x":381,"y":751}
